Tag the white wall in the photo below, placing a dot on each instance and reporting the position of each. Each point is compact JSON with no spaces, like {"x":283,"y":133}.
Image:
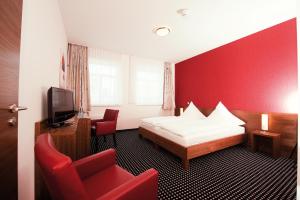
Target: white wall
{"x":42,"y":44}
{"x":130,"y":115}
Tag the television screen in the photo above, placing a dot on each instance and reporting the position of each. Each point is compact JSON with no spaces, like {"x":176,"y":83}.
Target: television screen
{"x":60,"y":106}
{"x":62,"y":100}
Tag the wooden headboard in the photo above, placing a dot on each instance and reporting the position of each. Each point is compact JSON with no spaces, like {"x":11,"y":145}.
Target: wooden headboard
{"x":283,"y":123}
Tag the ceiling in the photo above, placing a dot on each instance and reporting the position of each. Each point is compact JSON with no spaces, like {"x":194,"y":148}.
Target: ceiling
{"x":126,"y":26}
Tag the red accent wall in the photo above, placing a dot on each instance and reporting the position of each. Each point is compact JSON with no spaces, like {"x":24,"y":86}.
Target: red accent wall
{"x":255,"y":73}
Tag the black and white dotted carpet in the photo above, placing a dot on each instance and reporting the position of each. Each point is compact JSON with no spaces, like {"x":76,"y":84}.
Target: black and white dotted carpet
{"x":233,"y":173}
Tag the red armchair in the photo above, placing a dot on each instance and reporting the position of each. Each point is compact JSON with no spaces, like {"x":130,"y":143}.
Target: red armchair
{"x":94,"y":177}
{"x":105,"y":126}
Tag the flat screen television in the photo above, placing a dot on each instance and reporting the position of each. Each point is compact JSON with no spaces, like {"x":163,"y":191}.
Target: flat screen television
{"x":60,"y":106}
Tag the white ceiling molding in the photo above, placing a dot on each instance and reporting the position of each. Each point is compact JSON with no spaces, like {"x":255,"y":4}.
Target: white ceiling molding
{"x":126,"y":26}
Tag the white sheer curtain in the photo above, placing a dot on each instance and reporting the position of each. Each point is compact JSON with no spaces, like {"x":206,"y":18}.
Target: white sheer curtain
{"x":105,"y":77}
{"x":168,"y":102}
{"x":146,"y":81}
{"x":78,"y":76}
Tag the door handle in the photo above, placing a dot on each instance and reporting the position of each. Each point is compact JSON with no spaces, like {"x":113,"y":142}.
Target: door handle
{"x":12,"y":121}
{"x":14,"y":108}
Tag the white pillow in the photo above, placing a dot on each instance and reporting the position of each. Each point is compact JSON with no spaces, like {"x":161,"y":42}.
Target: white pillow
{"x":192,"y":112}
{"x":223,"y":116}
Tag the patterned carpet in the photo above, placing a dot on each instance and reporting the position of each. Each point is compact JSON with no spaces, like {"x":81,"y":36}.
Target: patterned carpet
{"x":233,"y":173}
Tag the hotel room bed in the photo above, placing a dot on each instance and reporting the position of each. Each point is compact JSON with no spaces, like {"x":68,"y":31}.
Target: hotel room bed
{"x":192,"y":139}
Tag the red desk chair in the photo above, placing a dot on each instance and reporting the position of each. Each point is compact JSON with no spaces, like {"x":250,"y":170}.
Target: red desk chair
{"x":105,"y":126}
{"x":94,"y":177}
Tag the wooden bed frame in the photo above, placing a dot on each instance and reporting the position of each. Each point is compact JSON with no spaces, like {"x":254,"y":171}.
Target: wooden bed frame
{"x":284,"y":123}
{"x":187,"y":153}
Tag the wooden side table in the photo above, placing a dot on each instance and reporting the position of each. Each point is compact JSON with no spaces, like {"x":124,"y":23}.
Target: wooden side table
{"x":275,"y":137}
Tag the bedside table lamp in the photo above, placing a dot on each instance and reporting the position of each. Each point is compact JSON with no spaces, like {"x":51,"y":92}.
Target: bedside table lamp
{"x":264,"y":122}
{"x":181,"y":111}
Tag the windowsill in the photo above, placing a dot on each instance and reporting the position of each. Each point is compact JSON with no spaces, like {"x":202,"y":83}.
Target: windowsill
{"x":146,"y":105}
{"x":139,"y":105}
{"x":106,"y":105}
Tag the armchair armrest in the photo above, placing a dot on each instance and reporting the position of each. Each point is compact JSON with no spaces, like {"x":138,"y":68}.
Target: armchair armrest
{"x":94,"y":121}
{"x":143,"y":186}
{"x":106,"y":127}
{"x":92,"y":164}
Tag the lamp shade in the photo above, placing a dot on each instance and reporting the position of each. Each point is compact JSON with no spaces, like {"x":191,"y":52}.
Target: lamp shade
{"x":264,"y":122}
{"x":181,"y":111}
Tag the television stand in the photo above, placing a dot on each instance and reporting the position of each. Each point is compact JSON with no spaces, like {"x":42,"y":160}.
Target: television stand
{"x":55,"y":125}
{"x":62,"y":124}
{"x":71,"y":138}
{"x":68,"y":123}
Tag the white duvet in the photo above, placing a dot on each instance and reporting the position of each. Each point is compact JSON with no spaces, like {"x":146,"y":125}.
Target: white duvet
{"x":158,"y":121}
{"x":184,"y":127}
{"x":194,"y":127}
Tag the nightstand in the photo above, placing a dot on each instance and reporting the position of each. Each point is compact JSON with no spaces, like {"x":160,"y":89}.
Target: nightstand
{"x":274,"y":137}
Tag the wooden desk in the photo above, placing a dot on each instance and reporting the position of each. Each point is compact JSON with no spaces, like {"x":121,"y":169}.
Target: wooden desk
{"x":73,"y":141}
{"x":275,"y":138}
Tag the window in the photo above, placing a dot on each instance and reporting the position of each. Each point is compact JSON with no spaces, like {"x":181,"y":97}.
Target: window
{"x":147,"y":81}
{"x":105,"y":78}
{"x":117,"y":78}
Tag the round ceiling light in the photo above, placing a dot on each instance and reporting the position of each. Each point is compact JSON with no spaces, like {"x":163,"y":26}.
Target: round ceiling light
{"x":184,"y":12}
{"x":162,"y":31}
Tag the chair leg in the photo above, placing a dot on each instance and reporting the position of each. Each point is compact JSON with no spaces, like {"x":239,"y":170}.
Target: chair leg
{"x":94,"y":139}
{"x":97,"y":143}
{"x":104,"y":138}
{"x":115,"y":141}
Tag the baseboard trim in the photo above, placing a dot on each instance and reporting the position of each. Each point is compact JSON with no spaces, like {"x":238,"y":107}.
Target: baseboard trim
{"x":123,"y":130}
